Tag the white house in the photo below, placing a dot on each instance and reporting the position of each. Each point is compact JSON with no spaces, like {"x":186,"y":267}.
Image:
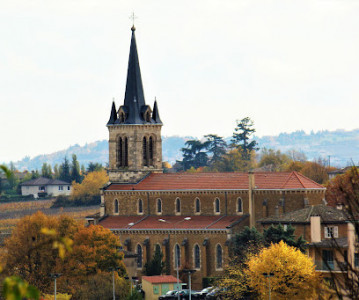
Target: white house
{"x":41,"y":185}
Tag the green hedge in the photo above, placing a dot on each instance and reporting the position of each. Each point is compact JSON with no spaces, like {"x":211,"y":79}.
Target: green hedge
{"x":16,"y":198}
{"x":87,"y":200}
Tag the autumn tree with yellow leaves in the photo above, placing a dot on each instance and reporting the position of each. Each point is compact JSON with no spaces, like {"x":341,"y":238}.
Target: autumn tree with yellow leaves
{"x":91,"y":184}
{"x":294,"y":274}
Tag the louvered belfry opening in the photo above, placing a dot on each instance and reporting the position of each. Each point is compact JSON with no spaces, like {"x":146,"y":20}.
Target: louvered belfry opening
{"x":122,"y":152}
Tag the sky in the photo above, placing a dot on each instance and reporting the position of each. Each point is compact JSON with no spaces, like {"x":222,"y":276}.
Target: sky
{"x":288,"y":65}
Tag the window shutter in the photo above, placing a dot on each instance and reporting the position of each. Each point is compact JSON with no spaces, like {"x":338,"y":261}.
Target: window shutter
{"x":336,"y":231}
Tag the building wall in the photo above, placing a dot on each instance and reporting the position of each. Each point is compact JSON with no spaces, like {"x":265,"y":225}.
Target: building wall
{"x":207,"y":240}
{"x":265,"y":202}
{"x":49,"y":189}
{"x":162,"y":289}
{"x":135,"y":133}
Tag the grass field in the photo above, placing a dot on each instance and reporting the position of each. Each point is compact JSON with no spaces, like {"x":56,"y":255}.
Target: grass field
{"x":11,"y":213}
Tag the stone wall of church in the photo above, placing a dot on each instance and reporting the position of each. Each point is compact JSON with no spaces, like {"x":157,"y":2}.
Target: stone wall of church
{"x":267,"y":203}
{"x":206,"y":240}
{"x":135,"y":135}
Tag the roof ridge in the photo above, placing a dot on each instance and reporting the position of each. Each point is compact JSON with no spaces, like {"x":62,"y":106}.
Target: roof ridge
{"x":290,"y":175}
{"x":297,"y":175}
{"x":310,"y":212}
{"x":216,"y":221}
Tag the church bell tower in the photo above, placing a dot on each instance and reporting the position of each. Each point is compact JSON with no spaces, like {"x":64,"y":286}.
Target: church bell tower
{"x":135,"y":145}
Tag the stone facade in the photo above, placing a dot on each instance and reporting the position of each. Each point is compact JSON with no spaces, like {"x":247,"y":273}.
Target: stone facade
{"x":136,"y":168}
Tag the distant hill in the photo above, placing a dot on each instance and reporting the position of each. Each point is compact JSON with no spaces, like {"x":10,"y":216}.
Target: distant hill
{"x":342,"y":147}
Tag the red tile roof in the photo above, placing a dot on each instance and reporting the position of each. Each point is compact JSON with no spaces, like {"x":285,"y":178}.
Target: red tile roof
{"x":218,"y":181}
{"x":161,"y":279}
{"x":170,"y":222}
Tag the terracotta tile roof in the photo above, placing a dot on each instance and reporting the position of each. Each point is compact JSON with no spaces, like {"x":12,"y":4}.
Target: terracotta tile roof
{"x":327,"y":214}
{"x":218,"y":181}
{"x":171,"y":222}
{"x":161,"y":279}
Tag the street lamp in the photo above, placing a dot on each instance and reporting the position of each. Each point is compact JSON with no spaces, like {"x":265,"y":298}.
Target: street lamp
{"x":189,"y":272}
{"x":268,"y":275}
{"x":113,"y":269}
{"x":55,"y":276}
{"x":176,"y":254}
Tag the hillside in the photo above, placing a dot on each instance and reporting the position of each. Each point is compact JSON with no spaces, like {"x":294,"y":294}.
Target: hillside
{"x":342,"y":147}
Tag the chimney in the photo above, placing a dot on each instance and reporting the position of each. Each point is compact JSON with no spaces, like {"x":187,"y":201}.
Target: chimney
{"x":315,"y":232}
{"x":102,"y":205}
{"x":351,"y":243}
{"x":251,"y":186}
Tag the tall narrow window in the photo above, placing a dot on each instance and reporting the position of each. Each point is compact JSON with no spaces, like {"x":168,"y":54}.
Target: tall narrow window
{"x":139,"y":256}
{"x":178,"y":205}
{"x":144,"y":151}
{"x":239,"y":205}
{"x":216,"y":205}
{"x":116,"y":206}
{"x":159,"y":206}
{"x":126,"y":153}
{"x":197,"y":257}
{"x":150,"y":152}
{"x":218,"y":256}
{"x":198,"y":206}
{"x":120,"y":152}
{"x":328,"y":260}
{"x":140,"y":206}
{"x":177,"y":261}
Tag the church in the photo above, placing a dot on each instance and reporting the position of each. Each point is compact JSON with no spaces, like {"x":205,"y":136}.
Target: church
{"x":190,"y":217}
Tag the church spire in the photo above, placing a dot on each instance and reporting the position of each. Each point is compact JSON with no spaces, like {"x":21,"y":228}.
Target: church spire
{"x":113,"y":116}
{"x":134,"y":96}
{"x":155,"y":114}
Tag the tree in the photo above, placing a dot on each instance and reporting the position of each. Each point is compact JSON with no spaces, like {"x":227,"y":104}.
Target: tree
{"x":194,"y":154}
{"x":46,"y":170}
{"x":241,"y":137}
{"x":273,"y":160}
{"x":91,"y":184}
{"x":233,"y":161}
{"x":7,"y":172}
{"x":75,"y":170}
{"x":249,"y":240}
{"x":294,"y":274}
{"x":156,"y":265}
{"x":65,"y":171}
{"x":94,"y":167}
{"x":39,"y":246}
{"x":217,"y":146}
{"x":56,"y":171}
{"x":275,"y":234}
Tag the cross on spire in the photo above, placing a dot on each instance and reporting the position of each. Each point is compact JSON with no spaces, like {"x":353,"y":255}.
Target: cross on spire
{"x":133,"y":17}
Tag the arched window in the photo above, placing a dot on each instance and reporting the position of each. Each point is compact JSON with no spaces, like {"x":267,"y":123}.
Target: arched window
{"x":197,"y":257}
{"x":178,"y":205}
{"x":159,"y":206}
{"x":148,"y":117}
{"x":119,"y":152}
{"x":116,"y":207}
{"x":139,"y":256}
{"x":197,"y":205}
{"x":177,"y":256}
{"x":144,"y":151}
{"x":122,"y":117}
{"x":140,"y":206}
{"x":217,"y":206}
{"x":239,"y":205}
{"x":218,"y":256}
{"x":150,"y":150}
{"x":157,"y":248}
{"x":122,"y":152}
{"x":126,"y":153}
